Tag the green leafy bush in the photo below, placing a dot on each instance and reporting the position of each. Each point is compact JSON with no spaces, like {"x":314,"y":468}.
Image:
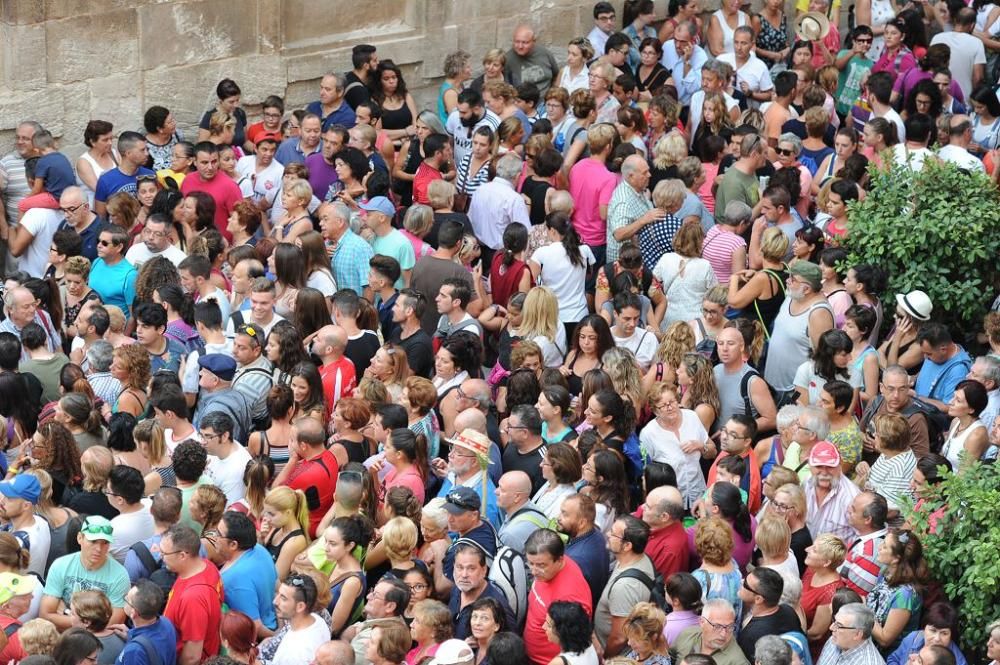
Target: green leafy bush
{"x":938,"y":231}
{"x":962,"y":551}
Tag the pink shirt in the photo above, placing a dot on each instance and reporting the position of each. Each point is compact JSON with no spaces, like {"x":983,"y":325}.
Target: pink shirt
{"x":832,"y":43}
{"x":591,"y":185}
{"x":409,"y":479}
{"x":718,"y":250}
{"x":705,"y":191}
{"x":223,"y":191}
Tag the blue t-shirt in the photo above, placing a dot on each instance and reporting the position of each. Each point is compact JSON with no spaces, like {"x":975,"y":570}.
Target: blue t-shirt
{"x":938,"y":381}
{"x":492,"y":511}
{"x":590,"y":552}
{"x":114,"y":181}
{"x":399,"y":247}
{"x":341,"y":116}
{"x":163,"y":637}
{"x":249,"y":585}
{"x":171,"y":357}
{"x":57,"y":173}
{"x":67,"y":576}
{"x":115,"y":284}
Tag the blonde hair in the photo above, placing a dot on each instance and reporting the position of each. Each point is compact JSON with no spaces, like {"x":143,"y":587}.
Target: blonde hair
{"x":540,"y":314}
{"x":93,"y":608}
{"x":150,"y":433}
{"x":495,"y":55}
{"x":399,"y":535}
{"x":293,"y":502}
{"x":38,"y":637}
{"x":524,"y":349}
{"x":718,"y":294}
{"x":773,"y":537}
{"x":605,"y":70}
{"x":441,"y":193}
{"x":678,"y":340}
{"x":418,"y":220}
{"x":599,"y":136}
{"x":219,"y":121}
{"x":830,"y":547}
{"x":435,"y":615}
{"x":688,"y":240}
{"x":95,"y":464}
{"x":623,"y":370}
{"x":669,"y":150}
{"x":713,"y":540}
{"x":774,"y":244}
{"x":646,"y":621}
{"x":784,"y":476}
{"x":797,"y":498}
{"x":116,"y":320}
{"x":669,"y":194}
{"x":77,"y":265}
{"x":301,"y":190}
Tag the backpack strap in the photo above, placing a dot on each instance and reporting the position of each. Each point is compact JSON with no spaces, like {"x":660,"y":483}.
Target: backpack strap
{"x":145,"y":556}
{"x":636,"y":574}
{"x":152,"y":655}
{"x":531,"y":515}
{"x":745,"y":392}
{"x":11,"y":629}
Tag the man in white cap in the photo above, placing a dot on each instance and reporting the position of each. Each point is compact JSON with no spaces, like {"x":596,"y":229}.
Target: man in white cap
{"x":467,"y":462}
{"x":828,"y":494}
{"x":17,"y":513}
{"x":389,"y":241}
{"x":15,"y":599}
{"x":453,"y":652}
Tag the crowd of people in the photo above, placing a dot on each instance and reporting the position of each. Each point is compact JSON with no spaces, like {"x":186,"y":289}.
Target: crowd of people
{"x":571,"y":367}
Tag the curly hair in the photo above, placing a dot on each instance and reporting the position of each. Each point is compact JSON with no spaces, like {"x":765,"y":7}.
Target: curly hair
{"x":621,"y":366}
{"x":713,"y":539}
{"x":290,"y":351}
{"x":703,"y":389}
{"x":135,"y":363}
{"x":645,"y":622}
{"x":678,"y":340}
{"x":212,"y":502}
{"x":522,"y":388}
{"x":571,"y":625}
{"x":63,"y":453}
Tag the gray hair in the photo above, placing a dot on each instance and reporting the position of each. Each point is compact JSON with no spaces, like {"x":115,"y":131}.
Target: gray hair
{"x":630,"y":165}
{"x":435,"y":512}
{"x":862,"y":617}
{"x":772,"y":650}
{"x":100,"y":355}
{"x":340,"y":210}
{"x":717,"y":604}
{"x":509,"y":167}
{"x":431,"y":119}
{"x":745,"y":29}
{"x":35,"y":126}
{"x":816,"y":421}
{"x":898,"y":370}
{"x":43,"y":139}
{"x":992,"y":370}
{"x":796,"y":142}
{"x":455,"y":61}
{"x":715,"y":66}
{"x":736,"y":213}
{"x":787,"y":416}
{"x":340,"y":80}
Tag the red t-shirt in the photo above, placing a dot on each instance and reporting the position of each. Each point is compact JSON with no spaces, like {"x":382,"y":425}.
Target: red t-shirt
{"x":223,"y":191}
{"x":317,"y":477}
{"x":194,"y":606}
{"x":426,"y":174}
{"x":13,"y":651}
{"x":667,"y":549}
{"x":750,"y":482}
{"x":569,"y":585}
{"x":338,"y":381}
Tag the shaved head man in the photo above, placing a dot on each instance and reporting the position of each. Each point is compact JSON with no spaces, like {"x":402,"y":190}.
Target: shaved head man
{"x":663,"y":511}
{"x":337,"y":372}
{"x":523,"y":517}
{"x":527,"y":62}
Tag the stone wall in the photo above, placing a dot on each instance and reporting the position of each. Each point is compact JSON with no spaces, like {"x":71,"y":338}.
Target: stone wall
{"x":64,"y":62}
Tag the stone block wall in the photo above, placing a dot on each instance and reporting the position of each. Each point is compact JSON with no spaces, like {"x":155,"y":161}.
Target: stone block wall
{"x":65,"y":62}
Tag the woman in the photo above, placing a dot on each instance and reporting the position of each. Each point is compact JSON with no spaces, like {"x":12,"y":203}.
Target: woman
{"x":683,"y":592}
{"x":510,"y":272}
{"x":556,"y":110}
{"x":273,"y":442}
{"x":575,"y":75}
{"x":612,"y":417}
{"x":76,"y":290}
{"x":677,"y":437}
{"x":390,"y":367}
{"x":257,"y":478}
{"x":82,"y":418}
{"x":476,"y":167}
{"x":180,"y":316}
{"x":770,"y":453}
{"x":284,"y":349}
{"x":540,"y":324}
{"x":398,"y":107}
{"x":790,"y":503}
{"x":99,"y":157}
{"x":229,"y":102}
{"x":774,"y":539}
{"x":819,"y":582}
{"x":607,"y":485}
{"x":243,"y":223}
{"x":150,"y":442}
{"x":667,"y":152}
{"x":405,"y":454}
{"x":91,"y":611}
{"x":432,"y":625}
{"x":352,"y":168}
{"x":644,"y":635}
{"x":312,"y":312}
{"x":411,"y":154}
{"x":457,"y":70}
{"x":840,"y":193}
{"x":417,"y":223}
{"x":760,"y":293}
{"x":131,"y":367}
{"x":808,"y":243}
{"x":591,"y":339}
{"x":830,"y":361}
{"x":600,"y":79}
{"x":789,"y":149}
{"x":562,"y":267}
{"x":287,"y":264}
{"x":569,"y":627}
{"x":831,"y":262}
{"x":836,"y":399}
{"x":419,"y":399}
{"x":967,"y":440}
{"x":940,"y":629}
{"x":284,"y":527}
{"x":698,"y":391}
{"x":858,"y":323}
{"x":896,"y":58}
{"x":347,"y":582}
{"x":864,"y":283}
{"x":239,"y":637}
{"x":901,"y":347}
{"x":295,"y":221}
{"x":892,"y":472}
{"x":58,"y":518}
{"x":584,"y":114}
{"x":421,"y":583}
{"x":771,"y":28}
{"x":718,"y":574}
{"x":554,"y":408}
{"x":389,"y":644}
{"x":845,"y":144}
{"x":562,"y":470}
{"x":207,"y":505}
{"x":307,"y":387}
{"x":677,"y":340}
{"x":458,"y":359}
{"x":487,"y":619}
{"x":162,"y":138}
{"x":650,"y":75}
{"x":679,"y":11}
{"x":686,"y":276}
{"x":896,"y":599}
{"x":433,"y":527}
{"x":350,"y":418}
{"x":77,"y":646}
{"x":985,"y":121}
{"x":317,"y":264}
{"x":721,"y":27}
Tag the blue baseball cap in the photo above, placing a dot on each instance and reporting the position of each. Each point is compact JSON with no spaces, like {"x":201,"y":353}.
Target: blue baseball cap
{"x":221,"y":365}
{"x":24,"y":486}
{"x":379,"y":204}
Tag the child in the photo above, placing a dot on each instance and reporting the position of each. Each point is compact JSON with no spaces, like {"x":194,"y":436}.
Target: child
{"x":632,"y":127}
{"x":527,"y":100}
{"x":714,"y":118}
{"x":53,"y":174}
{"x":827,"y":78}
{"x":731,"y":469}
{"x":181,"y":163}
{"x":712,"y":151}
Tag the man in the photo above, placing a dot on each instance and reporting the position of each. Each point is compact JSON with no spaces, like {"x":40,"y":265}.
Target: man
{"x":263,"y":170}
{"x":297,"y":148}
{"x":15,"y":600}
{"x":437,"y":155}
{"x":986,"y":370}
{"x":190,"y":461}
{"x":155,"y":242}
{"x":125,"y":176}
{"x":262,"y":314}
{"x":14,"y":184}
{"x":21,"y":309}
{"x":150,"y":633}
{"x":739,"y":182}
{"x":45,"y":365}
{"x":332,"y":108}
{"x":617,"y":51}
{"x":714,"y":636}
{"x":364,"y":61}
{"x":957,"y":150}
{"x":525,"y":449}
{"x":753,"y":79}
{"x":18,"y":498}
{"x":527,"y":62}
{"x":470,"y":452}
{"x":772,"y":650}
{"x":362,"y":344}
{"x":322,"y":165}
{"x":879,"y":89}
{"x":407,"y":313}
{"x":165,"y":509}
{"x":804,"y":317}
{"x":587,"y":545}
{"x":389,"y":241}
{"x":471,"y":584}
{"x":463,"y":506}
{"x":336,"y":371}
{"x":763,"y":612}
{"x":433,"y":270}
{"x":714,"y":76}
{"x":591,"y":185}
{"x":254,"y":373}
{"x":247,"y":570}
{"x":736,"y":439}
{"x":218,"y":395}
{"x":314,"y":472}
{"x":79,"y":217}
{"x":811,"y":428}
{"x":913,"y":151}
{"x":828,"y":493}
{"x":477,"y":413}
{"x":630,"y":210}
{"x":196,"y":280}
{"x":775,"y":211}
{"x":630,"y":583}
{"x":867,"y":515}
{"x":497,"y":204}
{"x":351,"y":253}
{"x":223,"y":189}
{"x":293,"y":605}
{"x":850,"y":642}
{"x":125,"y":491}
{"x":31,"y":239}
{"x":626,"y":331}
{"x":170,"y":408}
{"x":604,"y":25}
{"x":90,"y":568}
{"x":780,"y":110}
{"x":466,"y":118}
{"x":229,"y":458}
{"x":244,"y":273}
{"x":686,"y":58}
{"x":556,"y":577}
{"x":968,"y":55}
{"x":730,"y":373}
{"x":452,"y":300}
{"x":895,"y":398}
{"x":210,"y":339}
{"x":195,"y":603}
{"x":97,"y":365}
{"x":521,"y":515}
{"x":164,"y":352}
{"x":945,"y":365}
{"x":334,"y":652}
{"x":663,"y":513}
{"x":388,"y":598}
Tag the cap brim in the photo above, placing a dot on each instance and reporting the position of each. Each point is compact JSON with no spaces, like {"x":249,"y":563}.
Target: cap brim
{"x":26,"y":585}
{"x":8,"y":491}
{"x":454,"y":509}
{"x":97,"y":536}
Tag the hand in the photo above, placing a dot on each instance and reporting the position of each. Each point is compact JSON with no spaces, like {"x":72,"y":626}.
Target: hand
{"x":904,"y":324}
{"x":377,"y":465}
{"x":347,"y":199}
{"x":760,"y":224}
{"x":652,"y":215}
{"x":564,"y":370}
{"x":499,"y":311}
{"x":477,"y":273}
{"x":862,"y":470}
{"x":745,"y":87}
{"x":746,"y":275}
{"x":120,"y":629}
{"x":693,"y":446}
{"x":868,"y":442}
{"x":439,"y":467}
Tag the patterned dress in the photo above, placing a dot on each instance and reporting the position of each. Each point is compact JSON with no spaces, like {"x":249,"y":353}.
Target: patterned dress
{"x":771,"y":38}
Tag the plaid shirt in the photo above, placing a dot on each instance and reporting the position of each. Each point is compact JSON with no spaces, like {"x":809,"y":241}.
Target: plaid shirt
{"x":626,"y":206}
{"x":864,"y":654}
{"x":350,"y":260}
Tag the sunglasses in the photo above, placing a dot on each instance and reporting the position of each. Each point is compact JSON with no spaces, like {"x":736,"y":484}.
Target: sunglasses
{"x":89,"y":527}
{"x":785,"y":152}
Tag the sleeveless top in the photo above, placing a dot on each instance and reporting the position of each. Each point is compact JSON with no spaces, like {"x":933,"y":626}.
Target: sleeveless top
{"x":769,"y":307}
{"x":771,"y":38}
{"x":98,"y":170}
{"x":58,"y":546}
{"x":338,"y":586}
{"x":400,"y":118}
{"x":278,"y":454}
{"x":727,"y":32}
{"x":775,"y":458}
{"x":791,"y":344}
{"x":882,"y":13}
{"x":357,"y":451}
{"x":442,"y":111}
{"x":730,"y":398}
{"x":409,"y":164}
{"x":954,"y":445}
{"x":505,"y":279}
{"x":275,"y":550}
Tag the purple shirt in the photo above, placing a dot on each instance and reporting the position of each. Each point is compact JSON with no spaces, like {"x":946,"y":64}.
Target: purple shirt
{"x":321,"y":175}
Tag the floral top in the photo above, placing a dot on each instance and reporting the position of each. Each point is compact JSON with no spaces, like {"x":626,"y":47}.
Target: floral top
{"x":884,"y":598}
{"x":722,"y":585}
{"x":654,"y":659}
{"x":772,"y":38}
{"x":848,"y":442}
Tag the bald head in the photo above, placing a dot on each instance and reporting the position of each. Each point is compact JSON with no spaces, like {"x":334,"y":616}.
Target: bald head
{"x":72,"y":196}
{"x":516,"y":481}
{"x":332,"y":342}
{"x":477,"y":395}
{"x":560,"y":201}
{"x":524,"y":40}
{"x":19,"y":303}
{"x":473,"y":419}
{"x":334,"y":652}
{"x":310,"y":432}
{"x":664,"y":505}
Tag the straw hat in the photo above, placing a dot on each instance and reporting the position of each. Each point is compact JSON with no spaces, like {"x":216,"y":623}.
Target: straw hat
{"x":812,"y":26}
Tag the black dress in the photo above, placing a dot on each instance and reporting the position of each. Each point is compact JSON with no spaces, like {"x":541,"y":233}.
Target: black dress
{"x":400,"y":118}
{"x":657,"y":79}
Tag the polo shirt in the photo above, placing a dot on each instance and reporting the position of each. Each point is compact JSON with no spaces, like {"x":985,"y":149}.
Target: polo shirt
{"x":317,"y":477}
{"x":668,"y":549}
{"x":113,"y":181}
{"x":461,"y":616}
{"x":291,"y":151}
{"x":195,"y":608}
{"x":322,"y":175}
{"x":568,"y":584}
{"x":342,"y":115}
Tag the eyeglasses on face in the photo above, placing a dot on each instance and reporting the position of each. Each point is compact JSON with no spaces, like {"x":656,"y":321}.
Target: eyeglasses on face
{"x":723,"y":627}
{"x":71,"y":209}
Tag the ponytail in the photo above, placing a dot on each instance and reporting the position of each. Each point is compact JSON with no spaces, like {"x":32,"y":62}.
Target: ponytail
{"x":302,"y":512}
{"x":367,"y":316}
{"x":561,"y":223}
{"x":729,"y":501}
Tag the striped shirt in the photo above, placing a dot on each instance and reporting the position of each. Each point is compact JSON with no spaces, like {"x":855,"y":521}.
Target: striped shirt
{"x":625,"y":207}
{"x":864,"y":654}
{"x":718,"y":250}
{"x":830,"y":515}
{"x":861,"y":568}
{"x":468,"y":183}
{"x":13,"y":184}
{"x":890,"y":477}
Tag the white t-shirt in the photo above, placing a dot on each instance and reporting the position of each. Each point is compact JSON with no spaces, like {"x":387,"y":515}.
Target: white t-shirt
{"x":298,"y":647}
{"x":565,"y":279}
{"x":642,"y":343}
{"x":662,"y":446}
{"x":323,"y":282}
{"x":171,"y":442}
{"x":39,"y":539}
{"x":753,"y":71}
{"x":189,"y":382}
{"x":220,"y":297}
{"x":41,"y":223}
{"x":139,"y":253}
{"x":130,"y":528}
{"x":912,"y":157}
{"x":228,"y":473}
{"x":894,"y":117}
{"x":806,"y":377}
{"x":962,"y":157}
{"x":966,"y":52}
{"x":264,"y":183}
{"x":248,"y":318}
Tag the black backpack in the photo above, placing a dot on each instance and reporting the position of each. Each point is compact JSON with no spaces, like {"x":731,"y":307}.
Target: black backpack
{"x":783,"y":398}
{"x":158,"y":573}
{"x":937,"y":420}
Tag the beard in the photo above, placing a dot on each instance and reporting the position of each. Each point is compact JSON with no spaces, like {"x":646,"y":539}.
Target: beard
{"x":470,"y":121}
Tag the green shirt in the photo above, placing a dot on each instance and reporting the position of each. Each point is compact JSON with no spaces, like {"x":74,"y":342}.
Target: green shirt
{"x":736,"y":186}
{"x":849,"y":84}
{"x":186,"y":494}
{"x":67,"y":576}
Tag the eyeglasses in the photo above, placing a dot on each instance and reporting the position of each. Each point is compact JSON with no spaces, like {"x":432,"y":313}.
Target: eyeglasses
{"x":864,"y":40}
{"x":509,"y":427}
{"x":418,"y":587}
{"x":785,"y":152}
{"x":749,"y":588}
{"x":781,"y":507}
{"x":71,"y":209}
{"x":272,"y":115}
{"x":836,"y":625}
{"x":105,"y":243}
{"x":163,"y":554}
{"x":350,"y":474}
{"x":724,"y":627}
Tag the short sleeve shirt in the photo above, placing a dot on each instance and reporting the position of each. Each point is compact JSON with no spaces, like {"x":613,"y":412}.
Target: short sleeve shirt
{"x":194,"y":607}
{"x":67,"y":576}
{"x":620,"y":597}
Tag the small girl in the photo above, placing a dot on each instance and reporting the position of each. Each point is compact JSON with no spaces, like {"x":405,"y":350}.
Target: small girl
{"x":828,"y":77}
{"x":632,"y":127}
{"x":181,"y":163}
{"x":731,"y":469}
{"x":714,"y":118}
{"x":713,"y":149}
{"x":227,"y":164}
